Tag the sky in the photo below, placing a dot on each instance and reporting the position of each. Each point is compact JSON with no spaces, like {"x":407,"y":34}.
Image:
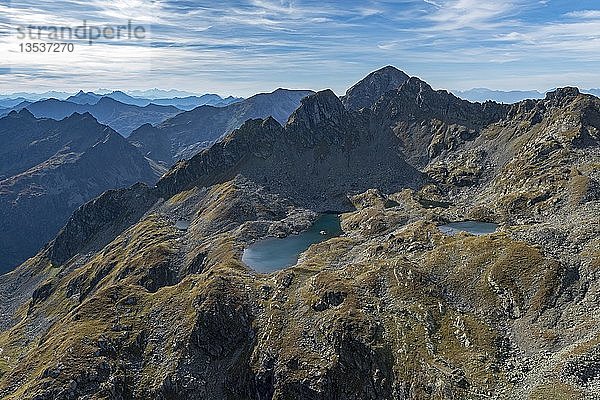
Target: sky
{"x":242,"y":47}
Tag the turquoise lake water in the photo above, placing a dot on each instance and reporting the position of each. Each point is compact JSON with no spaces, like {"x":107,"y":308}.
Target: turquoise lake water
{"x":273,"y":254}
{"x":473,"y":227}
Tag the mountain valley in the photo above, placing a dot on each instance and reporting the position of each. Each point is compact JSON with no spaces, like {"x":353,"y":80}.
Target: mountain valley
{"x":125,"y":303}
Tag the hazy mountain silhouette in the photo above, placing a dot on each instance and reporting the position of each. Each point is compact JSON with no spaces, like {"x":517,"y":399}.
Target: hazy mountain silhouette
{"x":187,"y":133}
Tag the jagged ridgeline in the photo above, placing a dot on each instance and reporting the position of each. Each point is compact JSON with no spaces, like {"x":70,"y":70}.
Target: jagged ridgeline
{"x":126,"y":304}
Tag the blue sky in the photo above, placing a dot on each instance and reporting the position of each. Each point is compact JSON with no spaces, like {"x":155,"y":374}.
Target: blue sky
{"x":243,"y":47}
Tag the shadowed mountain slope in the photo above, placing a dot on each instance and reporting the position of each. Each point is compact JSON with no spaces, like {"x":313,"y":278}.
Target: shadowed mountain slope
{"x":124,"y":118}
{"x":49,"y":168}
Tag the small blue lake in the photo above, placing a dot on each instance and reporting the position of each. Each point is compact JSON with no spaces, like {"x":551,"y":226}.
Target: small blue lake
{"x":472,"y":227}
{"x":273,"y":254}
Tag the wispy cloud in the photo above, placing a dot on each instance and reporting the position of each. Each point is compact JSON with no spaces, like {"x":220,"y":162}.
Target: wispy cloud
{"x":245,"y":46}
{"x":584,"y":14}
{"x":475,"y":14}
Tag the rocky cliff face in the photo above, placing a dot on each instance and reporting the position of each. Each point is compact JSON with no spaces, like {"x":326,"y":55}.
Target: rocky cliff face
{"x":430,"y":122}
{"x":124,"y":303}
{"x":57,"y":166}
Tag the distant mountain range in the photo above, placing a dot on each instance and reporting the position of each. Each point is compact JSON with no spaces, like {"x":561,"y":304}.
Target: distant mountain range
{"x":182,"y":100}
{"x":123,"y":118}
{"x":117,"y":109}
{"x":160,"y":94}
{"x":34,"y":96}
{"x":183,"y":103}
{"x":48,"y":168}
{"x":508,"y":97}
{"x":187,"y":101}
{"x":187,"y":133}
{"x":8,"y":104}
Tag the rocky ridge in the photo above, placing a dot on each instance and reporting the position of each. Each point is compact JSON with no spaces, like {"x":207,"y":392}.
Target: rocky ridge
{"x":123,"y":304}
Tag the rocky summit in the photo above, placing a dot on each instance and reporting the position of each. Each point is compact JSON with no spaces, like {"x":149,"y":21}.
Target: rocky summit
{"x":143,"y":293}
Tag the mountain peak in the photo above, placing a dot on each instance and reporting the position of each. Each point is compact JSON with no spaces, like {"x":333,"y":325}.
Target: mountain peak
{"x":271,"y":123}
{"x":323,"y":106}
{"x":21,"y":114}
{"x":78,"y":117}
{"x":366,"y":92}
{"x":83,"y":98}
{"x":323,"y":96}
{"x":81,"y":93}
{"x":259,"y":123}
{"x":563,"y":94}
{"x":389,"y":70}
{"x":105,"y":100}
{"x":25,"y":113}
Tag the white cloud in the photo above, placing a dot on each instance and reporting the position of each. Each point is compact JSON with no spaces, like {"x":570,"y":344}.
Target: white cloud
{"x":433,"y":3}
{"x":584,"y":14}
{"x":475,"y":14}
{"x":243,"y":45}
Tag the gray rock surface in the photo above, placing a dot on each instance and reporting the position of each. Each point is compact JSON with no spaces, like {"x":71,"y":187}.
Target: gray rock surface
{"x":366,"y":92}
